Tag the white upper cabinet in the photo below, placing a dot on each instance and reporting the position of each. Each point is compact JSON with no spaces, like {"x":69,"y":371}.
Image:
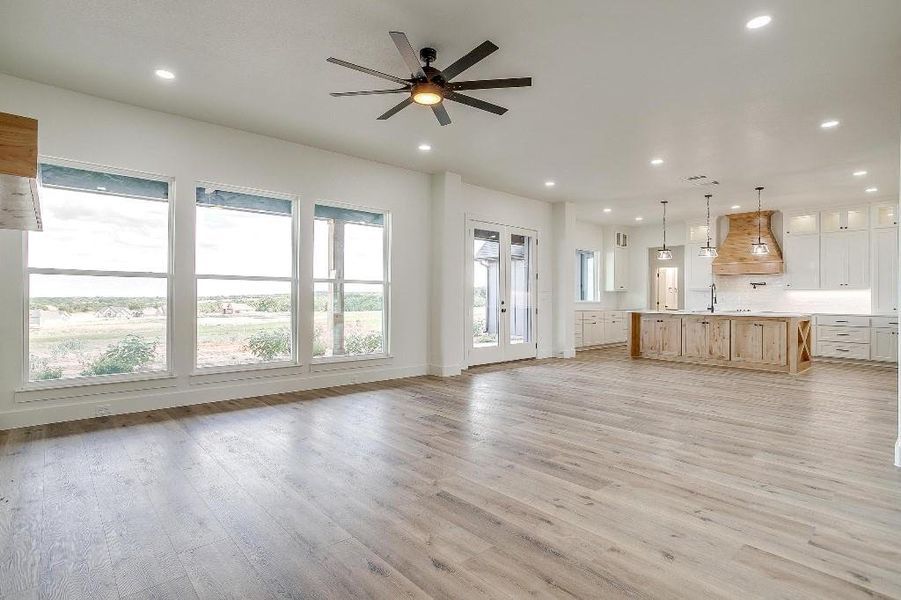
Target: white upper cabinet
{"x":885,"y":270}
{"x":885,"y":215}
{"x":845,"y":219}
{"x":802,"y":261}
{"x":801,"y":223}
{"x":617,"y":272}
{"x":844,"y":260}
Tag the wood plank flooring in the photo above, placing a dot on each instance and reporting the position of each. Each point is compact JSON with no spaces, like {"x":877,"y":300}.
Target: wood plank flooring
{"x":597,"y":477}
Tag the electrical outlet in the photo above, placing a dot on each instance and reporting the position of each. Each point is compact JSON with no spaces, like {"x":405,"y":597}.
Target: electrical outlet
{"x":102,"y":410}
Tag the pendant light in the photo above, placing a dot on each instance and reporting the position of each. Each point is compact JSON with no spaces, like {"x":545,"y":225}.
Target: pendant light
{"x":760,"y":248}
{"x":708,"y":251}
{"x":664,"y":253}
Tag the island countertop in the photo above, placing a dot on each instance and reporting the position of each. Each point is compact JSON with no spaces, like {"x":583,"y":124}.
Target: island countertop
{"x":726,"y":313}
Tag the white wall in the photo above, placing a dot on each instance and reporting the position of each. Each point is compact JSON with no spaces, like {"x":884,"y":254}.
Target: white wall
{"x":426,"y":269}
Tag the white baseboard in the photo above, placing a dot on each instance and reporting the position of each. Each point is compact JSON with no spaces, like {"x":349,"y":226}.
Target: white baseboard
{"x":898,"y":452}
{"x":131,"y":402}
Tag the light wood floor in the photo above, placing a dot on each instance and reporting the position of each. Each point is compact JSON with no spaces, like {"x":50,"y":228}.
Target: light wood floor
{"x":599,"y":477}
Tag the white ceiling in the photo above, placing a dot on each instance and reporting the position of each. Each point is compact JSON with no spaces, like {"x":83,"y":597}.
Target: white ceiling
{"x":616,"y":83}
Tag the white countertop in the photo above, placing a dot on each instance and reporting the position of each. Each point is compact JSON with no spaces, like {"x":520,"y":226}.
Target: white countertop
{"x":726,"y":313}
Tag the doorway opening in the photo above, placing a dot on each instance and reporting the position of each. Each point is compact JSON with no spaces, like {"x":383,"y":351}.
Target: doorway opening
{"x":667,"y":296}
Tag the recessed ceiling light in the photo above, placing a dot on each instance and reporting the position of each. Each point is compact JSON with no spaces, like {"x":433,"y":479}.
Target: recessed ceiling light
{"x":425,"y":147}
{"x":550,"y":183}
{"x":639,"y":218}
{"x":829,"y":124}
{"x":164,"y":74}
{"x":736,"y":206}
{"x":608,"y":209}
{"x":871,"y":190}
{"x":859,"y":173}
{"x":758,"y":22}
{"x":656,"y":161}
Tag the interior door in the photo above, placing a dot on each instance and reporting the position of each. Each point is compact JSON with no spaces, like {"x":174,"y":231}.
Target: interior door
{"x":502,"y":300}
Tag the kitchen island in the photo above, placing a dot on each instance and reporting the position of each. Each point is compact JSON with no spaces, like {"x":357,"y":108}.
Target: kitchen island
{"x":765,"y":341}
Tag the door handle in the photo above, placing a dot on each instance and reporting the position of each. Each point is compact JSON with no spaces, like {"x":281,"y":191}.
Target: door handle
{"x":503,"y":310}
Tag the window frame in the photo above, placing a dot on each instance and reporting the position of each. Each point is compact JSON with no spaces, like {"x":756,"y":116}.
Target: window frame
{"x":293,"y":281}
{"x":385,"y":283}
{"x":596,"y":288}
{"x":67,"y":382}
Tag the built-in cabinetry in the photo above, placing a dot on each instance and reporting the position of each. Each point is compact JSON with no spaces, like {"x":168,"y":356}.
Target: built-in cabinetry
{"x":704,"y":337}
{"x":617,"y":269}
{"x":764,"y":342}
{"x":844,"y":249}
{"x":801,"y":249}
{"x":884,"y":339}
{"x":600,"y":327}
{"x":758,"y":342}
{"x":859,"y":337}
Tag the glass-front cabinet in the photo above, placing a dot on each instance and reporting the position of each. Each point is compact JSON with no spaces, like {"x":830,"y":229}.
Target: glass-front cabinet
{"x":845,"y":219}
{"x":802,"y":222}
{"x":885,"y":215}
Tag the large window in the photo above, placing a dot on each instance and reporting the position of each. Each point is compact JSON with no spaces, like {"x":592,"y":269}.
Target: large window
{"x":246,"y":282}
{"x":587,"y":271}
{"x":98,"y":275}
{"x":350,"y":289}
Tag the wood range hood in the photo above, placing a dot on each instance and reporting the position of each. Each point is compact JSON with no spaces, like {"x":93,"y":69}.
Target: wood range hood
{"x":734,"y":253}
{"x":19,"y":206}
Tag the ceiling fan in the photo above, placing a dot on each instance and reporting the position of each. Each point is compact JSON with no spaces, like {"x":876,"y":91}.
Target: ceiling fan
{"x":429,"y":86}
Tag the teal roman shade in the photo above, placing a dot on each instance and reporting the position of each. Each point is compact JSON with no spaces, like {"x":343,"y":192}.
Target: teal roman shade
{"x":81,"y":180}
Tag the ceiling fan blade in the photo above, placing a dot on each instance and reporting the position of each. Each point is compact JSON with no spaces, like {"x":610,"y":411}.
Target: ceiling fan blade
{"x":368,"y":71}
{"x":369,"y":92}
{"x":466,"y":61}
{"x":475,"y":103}
{"x":396,"y":109}
{"x":441,"y":114}
{"x":489,"y":84}
{"x":407,"y":53}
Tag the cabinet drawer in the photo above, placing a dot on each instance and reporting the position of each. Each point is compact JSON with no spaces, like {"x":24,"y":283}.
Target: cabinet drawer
{"x":614,"y":315}
{"x":884,"y":321}
{"x":579,"y":315}
{"x":842,"y":350}
{"x":856,"y":335}
{"x":843,"y":320}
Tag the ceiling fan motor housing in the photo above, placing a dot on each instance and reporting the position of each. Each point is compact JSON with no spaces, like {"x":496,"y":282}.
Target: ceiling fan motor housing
{"x":428,"y":55}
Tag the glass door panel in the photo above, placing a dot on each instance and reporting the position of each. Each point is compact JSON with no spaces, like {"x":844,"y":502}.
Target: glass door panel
{"x":486,"y":288}
{"x":520,"y":313}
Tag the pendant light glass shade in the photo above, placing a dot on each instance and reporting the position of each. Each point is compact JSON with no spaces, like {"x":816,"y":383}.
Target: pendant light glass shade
{"x":760,"y":248}
{"x":708,"y":251}
{"x":664,"y":253}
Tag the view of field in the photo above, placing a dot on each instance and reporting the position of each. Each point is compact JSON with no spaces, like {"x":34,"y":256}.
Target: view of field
{"x":85,"y":336}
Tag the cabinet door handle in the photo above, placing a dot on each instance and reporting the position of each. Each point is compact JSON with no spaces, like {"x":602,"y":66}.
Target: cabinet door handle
{"x":842,"y":334}
{"x":842,"y":350}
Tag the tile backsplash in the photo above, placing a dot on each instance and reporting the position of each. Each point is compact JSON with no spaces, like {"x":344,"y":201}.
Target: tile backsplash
{"x":735,"y":292}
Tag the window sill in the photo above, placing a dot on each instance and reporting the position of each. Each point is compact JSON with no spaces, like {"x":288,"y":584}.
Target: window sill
{"x":71,"y":388}
{"x":338,"y":362}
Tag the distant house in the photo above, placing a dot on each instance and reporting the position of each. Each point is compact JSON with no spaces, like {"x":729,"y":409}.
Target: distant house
{"x":113,"y":312}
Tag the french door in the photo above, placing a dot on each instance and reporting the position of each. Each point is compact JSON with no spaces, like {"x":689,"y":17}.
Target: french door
{"x":502,"y":308}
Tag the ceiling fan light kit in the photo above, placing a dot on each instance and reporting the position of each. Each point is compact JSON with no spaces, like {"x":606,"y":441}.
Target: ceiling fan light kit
{"x":428,"y":86}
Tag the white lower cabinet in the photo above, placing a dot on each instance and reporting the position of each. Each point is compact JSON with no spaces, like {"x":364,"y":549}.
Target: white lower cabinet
{"x":596,"y":328}
{"x":858,"y":337}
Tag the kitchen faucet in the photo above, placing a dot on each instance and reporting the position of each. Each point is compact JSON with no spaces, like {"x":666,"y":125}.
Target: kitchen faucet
{"x":712,"y":296}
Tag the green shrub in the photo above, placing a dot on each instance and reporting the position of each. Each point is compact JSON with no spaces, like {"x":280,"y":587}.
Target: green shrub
{"x":41,"y":370}
{"x":125,"y":356}
{"x":268,"y":344}
{"x":273,"y":304}
{"x":363,"y":343}
{"x":318,"y":342}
